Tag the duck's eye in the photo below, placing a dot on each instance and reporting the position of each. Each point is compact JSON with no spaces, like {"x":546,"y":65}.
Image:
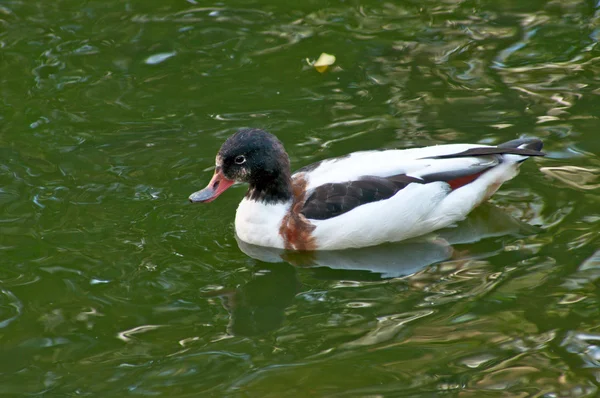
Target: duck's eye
{"x":240,"y":159}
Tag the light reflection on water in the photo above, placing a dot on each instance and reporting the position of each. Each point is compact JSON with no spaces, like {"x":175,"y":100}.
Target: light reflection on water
{"x":111,"y":284}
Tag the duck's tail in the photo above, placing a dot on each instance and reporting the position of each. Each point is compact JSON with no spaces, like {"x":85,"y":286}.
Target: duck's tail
{"x":522,"y":148}
{"x":533,"y":146}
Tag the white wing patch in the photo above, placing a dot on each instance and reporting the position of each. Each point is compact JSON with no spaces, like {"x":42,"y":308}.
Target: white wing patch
{"x":390,"y":162}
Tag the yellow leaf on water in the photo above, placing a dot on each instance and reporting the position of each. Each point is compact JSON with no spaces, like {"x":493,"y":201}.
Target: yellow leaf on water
{"x":325,"y":60}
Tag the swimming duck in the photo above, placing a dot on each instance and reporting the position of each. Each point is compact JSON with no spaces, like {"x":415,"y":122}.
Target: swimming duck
{"x":361,"y":199}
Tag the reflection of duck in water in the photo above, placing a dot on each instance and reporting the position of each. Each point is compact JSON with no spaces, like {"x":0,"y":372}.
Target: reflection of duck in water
{"x":402,"y":258}
{"x":259,"y":305}
{"x":362,"y":199}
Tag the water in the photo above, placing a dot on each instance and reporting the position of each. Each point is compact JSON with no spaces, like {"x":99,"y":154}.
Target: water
{"x":113,"y":285}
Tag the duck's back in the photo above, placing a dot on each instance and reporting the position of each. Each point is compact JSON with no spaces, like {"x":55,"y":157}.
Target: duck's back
{"x":371,"y":197}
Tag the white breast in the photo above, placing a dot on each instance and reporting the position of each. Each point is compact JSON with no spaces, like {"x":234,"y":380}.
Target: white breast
{"x":258,"y":223}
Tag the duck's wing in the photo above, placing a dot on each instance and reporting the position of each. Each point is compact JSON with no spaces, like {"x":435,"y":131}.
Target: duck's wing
{"x":332,"y":199}
{"x":456,"y":165}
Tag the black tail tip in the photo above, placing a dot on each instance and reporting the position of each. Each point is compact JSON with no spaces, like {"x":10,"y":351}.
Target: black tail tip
{"x":534,"y":144}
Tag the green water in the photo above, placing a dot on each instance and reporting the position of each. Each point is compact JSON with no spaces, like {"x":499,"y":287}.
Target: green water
{"x":111,"y":284}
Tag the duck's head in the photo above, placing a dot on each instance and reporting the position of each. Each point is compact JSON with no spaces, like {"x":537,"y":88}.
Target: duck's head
{"x":255,"y":157}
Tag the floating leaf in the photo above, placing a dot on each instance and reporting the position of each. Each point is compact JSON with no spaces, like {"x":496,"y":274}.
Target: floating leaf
{"x":325,"y":60}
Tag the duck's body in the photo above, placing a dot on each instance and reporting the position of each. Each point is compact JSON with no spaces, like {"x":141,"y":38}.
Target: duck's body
{"x":363,"y":199}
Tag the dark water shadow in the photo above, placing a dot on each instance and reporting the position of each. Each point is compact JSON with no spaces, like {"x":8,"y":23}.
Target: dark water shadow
{"x":258,"y":306}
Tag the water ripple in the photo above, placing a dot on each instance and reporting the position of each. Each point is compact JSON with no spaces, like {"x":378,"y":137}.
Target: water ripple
{"x":112,"y":112}
{"x":12,"y":308}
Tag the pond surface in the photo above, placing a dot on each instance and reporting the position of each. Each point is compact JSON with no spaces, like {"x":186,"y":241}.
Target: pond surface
{"x":112,"y":284}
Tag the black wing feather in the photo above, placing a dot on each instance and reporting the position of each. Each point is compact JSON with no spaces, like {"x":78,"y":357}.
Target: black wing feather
{"x":455,"y":174}
{"x":334,"y":199}
{"x":521,"y":146}
{"x":483,"y":151}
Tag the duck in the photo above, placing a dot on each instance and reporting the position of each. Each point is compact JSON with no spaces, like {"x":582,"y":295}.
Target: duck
{"x":362,"y":199}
